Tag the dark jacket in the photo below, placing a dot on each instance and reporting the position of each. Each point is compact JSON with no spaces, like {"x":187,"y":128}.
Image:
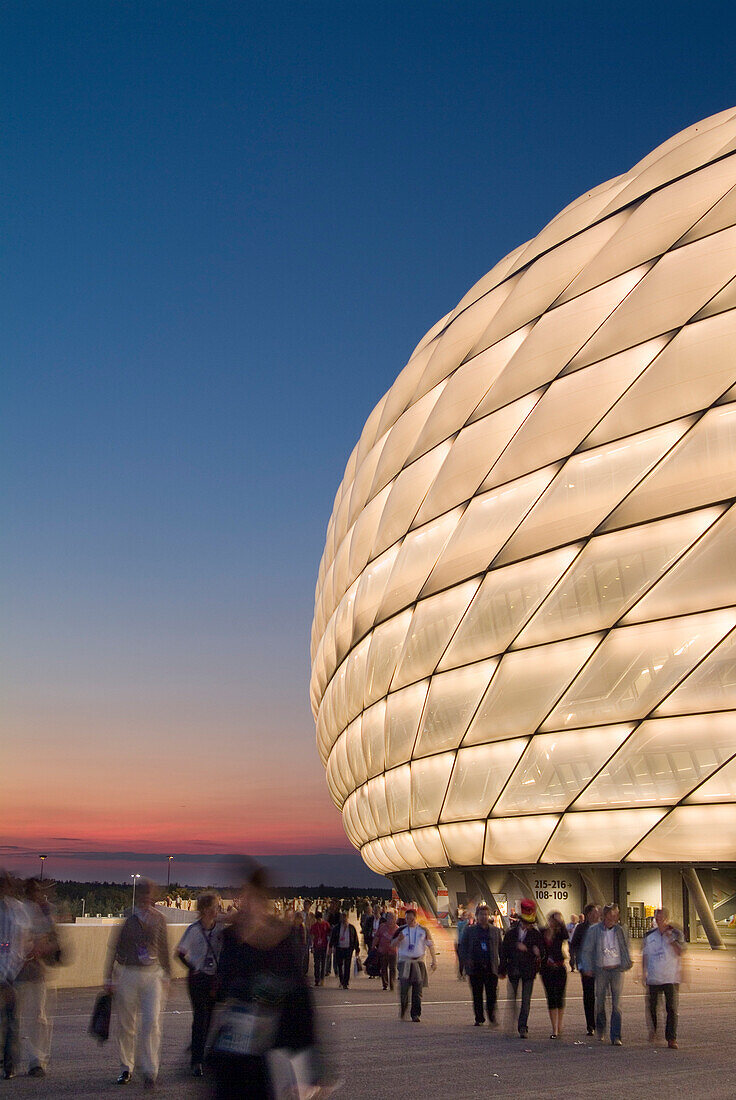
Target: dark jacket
{"x":140,"y":943}
{"x":335,"y":938}
{"x":521,"y":964}
{"x":479,"y":949}
{"x":578,"y":939}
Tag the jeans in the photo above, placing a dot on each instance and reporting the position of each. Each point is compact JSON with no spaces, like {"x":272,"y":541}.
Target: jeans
{"x":202,"y":996}
{"x":527,"y":985}
{"x":481,"y":982}
{"x":8,"y":1026}
{"x":612,"y":979}
{"x":343,"y":955}
{"x":589,"y":1000}
{"x":415,"y":988}
{"x":319,"y":954}
{"x":388,"y":970}
{"x":671,"y":998}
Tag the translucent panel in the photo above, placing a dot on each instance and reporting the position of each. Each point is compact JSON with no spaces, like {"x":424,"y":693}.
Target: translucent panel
{"x":416,"y":559}
{"x":369,"y":435}
{"x":371,"y":588}
{"x":375,"y":859}
{"x":339,"y":690}
{"x":471,"y":456}
{"x":704,"y":578}
{"x":517,"y":840}
{"x":505,"y":600}
{"x":662,"y":761}
{"x":676,"y":288}
{"x":692,"y":371}
{"x":335,"y":782}
{"x":702,"y":469}
{"x":402,"y":438}
{"x":691,"y":833}
{"x":430,"y":846}
{"x":355,"y":688}
{"x":374,"y":737}
{"x":478,"y":777}
{"x":365,"y":812}
{"x":636,"y":666}
{"x":564,"y":415}
{"x":407,"y":493}
{"x":398,"y":790}
{"x":558,"y":335}
{"x":376,"y":793}
{"x":429,"y":779}
{"x":399,"y":396}
{"x":602,"y":837}
{"x":408,"y":850}
{"x":362,"y":545}
{"x":453,"y":698}
{"x":711,"y":686}
{"x":387,"y":641}
{"x":721,"y":787}
{"x":543,"y":281}
{"x":487,"y":523}
{"x":432,"y":626}
{"x":556,"y":767}
{"x":609,"y":575}
{"x":720,"y":216}
{"x":344,"y":622}
{"x":354,"y":746}
{"x":464,"y":390}
{"x":464,"y":842}
{"x":392,"y":855}
{"x":342,"y":765}
{"x":721,"y":302}
{"x":655,"y":225}
{"x":403,"y":711}
{"x":586,"y":489}
{"x":526,"y":685}
{"x":354,"y":834}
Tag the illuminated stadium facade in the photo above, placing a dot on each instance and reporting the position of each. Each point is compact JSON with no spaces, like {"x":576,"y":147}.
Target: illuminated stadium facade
{"x":524,"y":640}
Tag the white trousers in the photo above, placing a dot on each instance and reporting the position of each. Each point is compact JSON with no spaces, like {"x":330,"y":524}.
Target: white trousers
{"x":138,"y":1000}
{"x":35,"y":1029}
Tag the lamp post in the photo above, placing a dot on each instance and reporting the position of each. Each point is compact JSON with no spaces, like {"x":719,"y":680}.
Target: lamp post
{"x":135,"y":878}
{"x":42,"y":858}
{"x":168,"y":875}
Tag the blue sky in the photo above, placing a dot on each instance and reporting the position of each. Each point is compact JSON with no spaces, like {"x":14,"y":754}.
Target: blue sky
{"x":226,"y":226}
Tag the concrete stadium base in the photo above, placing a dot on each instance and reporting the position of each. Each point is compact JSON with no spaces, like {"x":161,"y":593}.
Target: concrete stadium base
{"x":84,"y":947}
{"x":373,"y":1053}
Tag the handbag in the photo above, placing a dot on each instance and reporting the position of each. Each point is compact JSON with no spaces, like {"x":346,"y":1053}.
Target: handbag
{"x":243,"y":1029}
{"x":99,"y":1025}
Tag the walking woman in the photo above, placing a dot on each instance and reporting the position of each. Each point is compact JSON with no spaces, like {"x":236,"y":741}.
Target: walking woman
{"x":554,"y":970}
{"x":199,"y":950}
{"x":383,"y":942}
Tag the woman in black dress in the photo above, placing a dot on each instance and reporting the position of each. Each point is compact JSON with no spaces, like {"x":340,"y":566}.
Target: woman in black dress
{"x":263,"y":1002}
{"x":554,"y":970}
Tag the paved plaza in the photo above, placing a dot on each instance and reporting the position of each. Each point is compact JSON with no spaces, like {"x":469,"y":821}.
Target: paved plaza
{"x":376,"y":1055}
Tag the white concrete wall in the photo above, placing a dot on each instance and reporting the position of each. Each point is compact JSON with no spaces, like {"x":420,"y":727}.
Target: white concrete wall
{"x":85,"y":951}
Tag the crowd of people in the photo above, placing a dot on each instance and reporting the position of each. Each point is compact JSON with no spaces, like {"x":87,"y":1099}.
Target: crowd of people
{"x":250,"y":963}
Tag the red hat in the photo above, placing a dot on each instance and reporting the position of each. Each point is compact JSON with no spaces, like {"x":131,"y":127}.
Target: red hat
{"x":528,"y":909}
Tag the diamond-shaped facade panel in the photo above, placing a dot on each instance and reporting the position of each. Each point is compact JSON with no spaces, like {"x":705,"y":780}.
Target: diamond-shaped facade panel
{"x":523,"y":639}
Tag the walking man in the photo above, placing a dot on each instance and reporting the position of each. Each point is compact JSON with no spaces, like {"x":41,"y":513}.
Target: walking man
{"x":199,"y":950}
{"x":479,"y":956}
{"x":605,"y":956}
{"x":661,"y":962}
{"x":15,"y":937}
{"x":413,"y":942}
{"x":344,"y":942}
{"x":319,"y":935}
{"x":591,"y":915}
{"x":521,"y":951}
{"x":44,"y":950}
{"x":140,"y":956}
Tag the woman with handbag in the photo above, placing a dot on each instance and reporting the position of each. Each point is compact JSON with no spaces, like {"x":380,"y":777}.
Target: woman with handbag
{"x":199,"y":950}
{"x":263,"y":1006}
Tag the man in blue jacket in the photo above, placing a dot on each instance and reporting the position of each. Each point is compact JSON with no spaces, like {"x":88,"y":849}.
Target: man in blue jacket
{"x":605,"y":954}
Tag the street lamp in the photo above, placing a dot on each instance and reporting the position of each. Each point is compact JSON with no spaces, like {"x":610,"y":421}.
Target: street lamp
{"x":168,"y":876}
{"x":134,"y":877}
{"x":42,"y":858}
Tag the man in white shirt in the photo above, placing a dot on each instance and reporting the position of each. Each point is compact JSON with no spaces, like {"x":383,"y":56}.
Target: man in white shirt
{"x":413,"y":941}
{"x":661,"y":962}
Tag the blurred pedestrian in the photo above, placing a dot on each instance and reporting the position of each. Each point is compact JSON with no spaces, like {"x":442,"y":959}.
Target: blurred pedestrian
{"x":554,"y":971}
{"x":344,"y":942}
{"x":385,"y":945}
{"x":43,"y":951}
{"x":605,"y":954}
{"x":590,"y":915}
{"x":413,"y":942}
{"x":14,"y":944}
{"x":319,"y":936}
{"x":199,"y":950}
{"x":479,"y":954}
{"x":263,"y":1002}
{"x":521,"y":951}
{"x":661,"y":960}
{"x":137,"y":973}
